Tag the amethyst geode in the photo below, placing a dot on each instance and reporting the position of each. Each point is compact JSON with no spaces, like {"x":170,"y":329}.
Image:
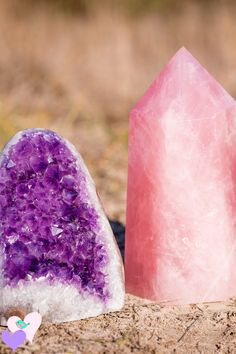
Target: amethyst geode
{"x":56,"y":246}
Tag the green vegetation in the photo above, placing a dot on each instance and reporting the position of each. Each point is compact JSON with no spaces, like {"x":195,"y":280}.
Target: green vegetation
{"x":84,"y":7}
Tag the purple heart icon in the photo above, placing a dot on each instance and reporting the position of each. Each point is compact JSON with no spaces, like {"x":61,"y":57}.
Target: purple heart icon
{"x":13,"y":340}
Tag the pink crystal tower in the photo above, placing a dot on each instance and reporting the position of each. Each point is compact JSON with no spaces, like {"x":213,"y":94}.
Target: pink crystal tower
{"x":181,"y":206}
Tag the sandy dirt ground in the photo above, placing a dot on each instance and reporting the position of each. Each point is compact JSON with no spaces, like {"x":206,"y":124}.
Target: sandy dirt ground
{"x":142,"y":327}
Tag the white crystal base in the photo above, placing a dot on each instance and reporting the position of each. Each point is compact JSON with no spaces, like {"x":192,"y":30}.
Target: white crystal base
{"x":56,"y":303}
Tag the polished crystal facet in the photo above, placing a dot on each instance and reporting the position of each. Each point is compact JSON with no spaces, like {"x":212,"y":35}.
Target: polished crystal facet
{"x":181,"y":209}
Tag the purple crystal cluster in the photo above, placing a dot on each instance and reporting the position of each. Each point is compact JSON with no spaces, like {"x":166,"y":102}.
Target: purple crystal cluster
{"x":48,"y":227}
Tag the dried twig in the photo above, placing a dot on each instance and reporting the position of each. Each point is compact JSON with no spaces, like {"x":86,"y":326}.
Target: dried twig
{"x":188,"y":328}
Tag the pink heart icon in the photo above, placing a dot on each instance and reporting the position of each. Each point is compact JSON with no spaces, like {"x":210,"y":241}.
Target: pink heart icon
{"x":32,"y":322}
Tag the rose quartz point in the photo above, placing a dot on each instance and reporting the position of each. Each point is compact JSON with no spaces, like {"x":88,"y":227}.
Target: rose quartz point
{"x":181,"y":203}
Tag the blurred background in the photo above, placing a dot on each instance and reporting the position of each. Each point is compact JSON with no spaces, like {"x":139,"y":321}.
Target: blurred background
{"x":78,"y":67}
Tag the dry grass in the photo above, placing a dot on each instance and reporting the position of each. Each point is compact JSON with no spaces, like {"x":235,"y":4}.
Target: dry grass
{"x":81,"y":75}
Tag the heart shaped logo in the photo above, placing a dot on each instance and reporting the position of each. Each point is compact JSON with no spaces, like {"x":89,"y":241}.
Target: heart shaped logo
{"x":29,"y":325}
{"x":13,"y":340}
